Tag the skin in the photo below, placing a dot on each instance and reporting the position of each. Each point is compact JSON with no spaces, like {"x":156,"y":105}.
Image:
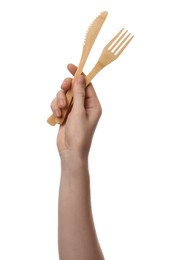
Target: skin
{"x":77,"y":239}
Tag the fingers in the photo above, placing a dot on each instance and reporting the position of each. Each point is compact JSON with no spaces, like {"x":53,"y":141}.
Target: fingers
{"x":90,"y":92}
{"x":79,"y":93}
{"x":57,"y":104}
{"x":91,"y":96}
{"x":60,"y":101}
{"x":66,"y":84}
{"x":72,"y":68}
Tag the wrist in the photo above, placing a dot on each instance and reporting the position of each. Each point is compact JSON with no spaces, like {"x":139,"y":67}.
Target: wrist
{"x":72,"y":162}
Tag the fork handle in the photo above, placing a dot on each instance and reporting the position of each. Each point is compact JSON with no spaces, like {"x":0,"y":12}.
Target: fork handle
{"x":52,"y":120}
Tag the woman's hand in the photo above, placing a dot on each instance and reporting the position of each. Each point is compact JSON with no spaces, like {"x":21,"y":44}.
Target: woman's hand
{"x":75,"y":136}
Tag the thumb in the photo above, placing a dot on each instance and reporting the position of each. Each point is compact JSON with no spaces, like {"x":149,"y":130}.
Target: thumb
{"x":79,"y":92}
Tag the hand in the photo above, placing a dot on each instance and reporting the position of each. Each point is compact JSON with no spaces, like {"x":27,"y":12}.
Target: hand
{"x":75,"y":136}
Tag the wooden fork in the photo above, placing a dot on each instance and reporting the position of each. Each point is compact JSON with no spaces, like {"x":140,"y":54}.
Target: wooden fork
{"x":110,"y":53}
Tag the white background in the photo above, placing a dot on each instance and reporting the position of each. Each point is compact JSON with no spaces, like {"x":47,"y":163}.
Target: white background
{"x":129,"y":160}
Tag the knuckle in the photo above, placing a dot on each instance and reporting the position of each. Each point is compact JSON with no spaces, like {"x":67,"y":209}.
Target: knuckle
{"x":66,"y":84}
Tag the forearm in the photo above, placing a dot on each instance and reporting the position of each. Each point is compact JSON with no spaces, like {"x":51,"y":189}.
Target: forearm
{"x":76,"y":233}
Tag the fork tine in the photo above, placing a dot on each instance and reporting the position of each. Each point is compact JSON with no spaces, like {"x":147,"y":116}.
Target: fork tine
{"x":114,"y":38}
{"x":121,"y":43}
{"x":118,"y":40}
{"x":124,"y":46}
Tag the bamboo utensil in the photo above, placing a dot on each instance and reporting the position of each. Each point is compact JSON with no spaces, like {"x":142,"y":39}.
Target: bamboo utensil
{"x":110,"y":53}
{"x":90,"y":38}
